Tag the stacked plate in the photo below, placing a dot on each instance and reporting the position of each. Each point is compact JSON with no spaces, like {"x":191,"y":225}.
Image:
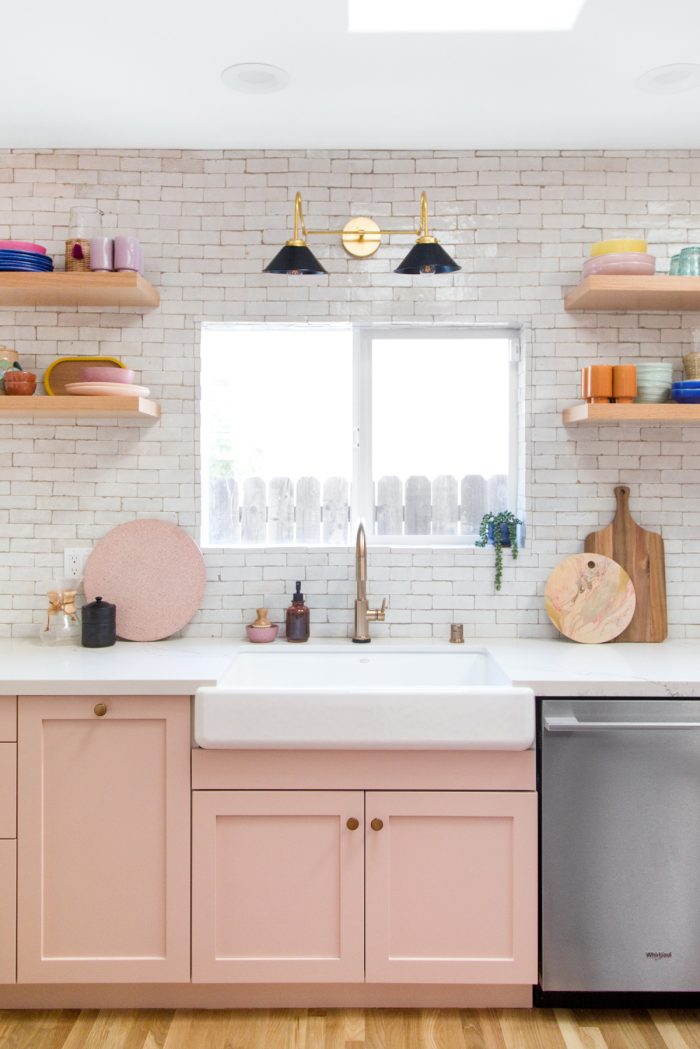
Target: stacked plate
{"x":105,"y":381}
{"x":106,"y":389}
{"x":23,"y":257}
{"x":687,"y":392}
{"x":618,"y":257}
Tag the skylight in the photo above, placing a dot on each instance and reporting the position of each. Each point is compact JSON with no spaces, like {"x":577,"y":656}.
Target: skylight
{"x":462,"y":16}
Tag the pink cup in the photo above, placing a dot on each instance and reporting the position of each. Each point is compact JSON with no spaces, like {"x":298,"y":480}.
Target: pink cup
{"x":126,"y":253}
{"x":101,"y":254}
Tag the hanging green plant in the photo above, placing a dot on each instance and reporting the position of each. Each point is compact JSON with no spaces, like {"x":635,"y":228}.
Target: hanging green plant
{"x":501,"y":530}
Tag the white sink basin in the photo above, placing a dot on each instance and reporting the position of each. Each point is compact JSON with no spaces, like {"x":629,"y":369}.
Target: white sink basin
{"x":347,"y":697}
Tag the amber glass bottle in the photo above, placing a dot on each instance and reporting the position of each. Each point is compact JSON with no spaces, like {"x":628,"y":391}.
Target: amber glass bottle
{"x":298,"y":617}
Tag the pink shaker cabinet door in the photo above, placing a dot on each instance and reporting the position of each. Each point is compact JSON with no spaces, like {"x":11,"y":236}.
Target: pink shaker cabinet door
{"x":103,"y":819}
{"x":277,"y":886}
{"x":8,"y":790}
{"x":8,"y":922}
{"x":8,"y":718}
{"x":451,"y":887}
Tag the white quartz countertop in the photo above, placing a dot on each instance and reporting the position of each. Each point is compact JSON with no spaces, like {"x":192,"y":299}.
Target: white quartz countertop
{"x":564,"y":668}
{"x":161,"y":668}
{"x":181,"y":666}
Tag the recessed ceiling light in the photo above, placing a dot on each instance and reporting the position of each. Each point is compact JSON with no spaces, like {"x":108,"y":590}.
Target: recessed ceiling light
{"x":668,"y":80}
{"x":255,"y":78}
{"x":462,"y":16}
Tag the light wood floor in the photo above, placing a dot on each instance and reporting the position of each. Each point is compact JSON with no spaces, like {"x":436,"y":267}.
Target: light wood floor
{"x":351,"y":1029}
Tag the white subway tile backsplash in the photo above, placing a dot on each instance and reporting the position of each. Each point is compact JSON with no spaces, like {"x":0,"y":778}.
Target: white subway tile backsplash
{"x":519,"y":222}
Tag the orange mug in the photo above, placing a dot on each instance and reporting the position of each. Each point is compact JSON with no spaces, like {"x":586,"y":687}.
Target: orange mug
{"x":624,"y":383}
{"x":585,"y":382}
{"x":598,"y":383}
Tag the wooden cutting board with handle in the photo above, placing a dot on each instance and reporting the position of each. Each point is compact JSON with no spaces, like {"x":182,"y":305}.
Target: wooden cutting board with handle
{"x":641,"y":554}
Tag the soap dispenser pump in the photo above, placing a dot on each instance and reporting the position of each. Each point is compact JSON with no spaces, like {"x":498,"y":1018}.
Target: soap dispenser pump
{"x":298,"y":617}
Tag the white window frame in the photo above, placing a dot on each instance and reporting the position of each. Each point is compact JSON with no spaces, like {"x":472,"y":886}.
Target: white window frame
{"x":362,"y":506}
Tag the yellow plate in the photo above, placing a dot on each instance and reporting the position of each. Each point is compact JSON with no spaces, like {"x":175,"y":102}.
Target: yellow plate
{"x":610,"y":247}
{"x":67,"y":369}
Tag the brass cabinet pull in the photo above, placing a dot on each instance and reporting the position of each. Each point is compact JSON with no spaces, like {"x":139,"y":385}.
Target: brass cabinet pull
{"x":352,"y":823}
{"x":377,"y":824}
{"x":100,"y":709}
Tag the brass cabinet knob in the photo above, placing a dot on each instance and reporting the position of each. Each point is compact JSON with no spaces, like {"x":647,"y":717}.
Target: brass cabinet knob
{"x":352,"y":823}
{"x":100,"y":709}
{"x":377,"y":824}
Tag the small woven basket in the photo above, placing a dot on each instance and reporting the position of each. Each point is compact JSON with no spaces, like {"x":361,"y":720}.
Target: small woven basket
{"x":691,"y":365}
{"x":77,"y":255}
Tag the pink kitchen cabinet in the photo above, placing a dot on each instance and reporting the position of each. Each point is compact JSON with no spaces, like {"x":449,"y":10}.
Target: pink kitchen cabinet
{"x":278,"y":883}
{"x":103,"y":839}
{"x":8,"y":933}
{"x":430,"y":887}
{"x":451,"y":887}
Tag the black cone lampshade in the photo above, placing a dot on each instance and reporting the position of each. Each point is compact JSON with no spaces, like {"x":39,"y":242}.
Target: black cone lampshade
{"x":295,"y":260}
{"x":427,"y":257}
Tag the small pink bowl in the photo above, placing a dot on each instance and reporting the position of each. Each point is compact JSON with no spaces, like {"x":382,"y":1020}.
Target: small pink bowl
{"x":98,"y":374}
{"x":261,"y":635}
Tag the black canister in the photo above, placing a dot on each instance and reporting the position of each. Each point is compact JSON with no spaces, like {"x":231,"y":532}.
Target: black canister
{"x":99,"y":624}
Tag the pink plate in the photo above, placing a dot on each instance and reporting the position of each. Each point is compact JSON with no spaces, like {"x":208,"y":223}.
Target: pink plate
{"x":106,"y":389}
{"x":621,"y":263}
{"x":153,"y":572}
{"x":21,"y":245}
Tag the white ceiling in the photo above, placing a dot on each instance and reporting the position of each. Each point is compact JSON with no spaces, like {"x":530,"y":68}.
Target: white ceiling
{"x":146,"y":73}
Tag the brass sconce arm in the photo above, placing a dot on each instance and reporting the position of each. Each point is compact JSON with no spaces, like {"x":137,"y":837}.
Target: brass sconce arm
{"x":299,"y":225}
{"x":373,"y":228}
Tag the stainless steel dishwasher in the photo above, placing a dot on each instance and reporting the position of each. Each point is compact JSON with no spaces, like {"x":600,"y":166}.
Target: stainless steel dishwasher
{"x":620,"y":845}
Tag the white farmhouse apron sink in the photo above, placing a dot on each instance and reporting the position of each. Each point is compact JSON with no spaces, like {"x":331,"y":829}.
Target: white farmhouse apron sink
{"x":357,"y":697}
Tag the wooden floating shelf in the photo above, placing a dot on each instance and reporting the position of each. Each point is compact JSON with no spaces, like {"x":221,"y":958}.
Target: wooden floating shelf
{"x":597,"y":414}
{"x":76,"y":289}
{"x":65,"y":407}
{"x":635,"y":293}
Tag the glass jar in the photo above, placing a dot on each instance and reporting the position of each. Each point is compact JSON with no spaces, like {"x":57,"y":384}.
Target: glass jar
{"x":62,"y":625}
{"x":84,"y":223}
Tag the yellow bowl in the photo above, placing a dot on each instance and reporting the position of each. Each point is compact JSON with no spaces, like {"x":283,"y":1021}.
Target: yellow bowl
{"x":610,"y":247}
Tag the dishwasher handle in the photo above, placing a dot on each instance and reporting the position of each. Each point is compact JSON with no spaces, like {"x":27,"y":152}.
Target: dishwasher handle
{"x":571,"y":724}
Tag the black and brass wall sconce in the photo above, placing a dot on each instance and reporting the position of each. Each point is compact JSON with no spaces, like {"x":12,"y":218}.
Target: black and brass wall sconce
{"x":361,"y":238}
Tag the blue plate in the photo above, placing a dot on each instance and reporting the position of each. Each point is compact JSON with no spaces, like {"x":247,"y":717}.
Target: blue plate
{"x":687,"y":384}
{"x":18,"y":267}
{"x":24,"y":254}
{"x":27,"y":262}
{"x":686,"y":396}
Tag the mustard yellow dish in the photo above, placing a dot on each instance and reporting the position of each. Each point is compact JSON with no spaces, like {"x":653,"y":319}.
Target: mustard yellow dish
{"x":67,"y":369}
{"x":611,"y":247}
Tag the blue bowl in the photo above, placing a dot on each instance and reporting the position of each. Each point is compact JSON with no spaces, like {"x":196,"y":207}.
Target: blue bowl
{"x":686,"y":396}
{"x":687,"y":384}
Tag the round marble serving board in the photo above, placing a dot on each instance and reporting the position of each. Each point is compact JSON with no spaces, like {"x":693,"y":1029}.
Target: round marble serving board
{"x":153,"y":572}
{"x":589,"y":598}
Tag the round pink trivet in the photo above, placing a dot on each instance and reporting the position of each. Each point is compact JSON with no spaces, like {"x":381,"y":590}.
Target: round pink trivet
{"x":153,"y":572}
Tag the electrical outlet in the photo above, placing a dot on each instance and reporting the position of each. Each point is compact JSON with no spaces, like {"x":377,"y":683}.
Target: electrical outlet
{"x":74,"y":559}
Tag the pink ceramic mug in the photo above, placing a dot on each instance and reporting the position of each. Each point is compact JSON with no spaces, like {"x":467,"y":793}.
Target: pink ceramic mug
{"x":126,"y":253}
{"x":101,"y":254}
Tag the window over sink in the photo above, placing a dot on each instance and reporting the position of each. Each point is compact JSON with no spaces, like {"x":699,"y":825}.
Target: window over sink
{"x":307,"y":429}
